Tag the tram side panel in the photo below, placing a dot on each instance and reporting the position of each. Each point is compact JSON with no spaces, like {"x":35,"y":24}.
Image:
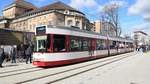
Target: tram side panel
{"x":53,"y":59}
{"x":101,"y":53}
{"x":113,"y":51}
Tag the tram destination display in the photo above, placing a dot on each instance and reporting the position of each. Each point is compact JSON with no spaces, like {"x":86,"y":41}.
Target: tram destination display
{"x":41,"y":30}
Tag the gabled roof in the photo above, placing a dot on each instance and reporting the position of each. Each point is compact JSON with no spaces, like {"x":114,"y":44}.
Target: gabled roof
{"x":141,"y":32}
{"x":55,"y":6}
{"x":21,"y":3}
{"x":59,"y":6}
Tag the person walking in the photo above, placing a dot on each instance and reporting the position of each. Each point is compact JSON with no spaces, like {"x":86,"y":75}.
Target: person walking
{"x":2,"y":56}
{"x":13,"y":54}
{"x":28,"y":53}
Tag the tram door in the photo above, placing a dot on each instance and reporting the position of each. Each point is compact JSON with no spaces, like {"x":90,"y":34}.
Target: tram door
{"x":92,"y":47}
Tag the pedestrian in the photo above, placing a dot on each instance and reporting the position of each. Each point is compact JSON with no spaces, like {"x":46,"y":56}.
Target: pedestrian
{"x":13,"y":54}
{"x":22,"y":51}
{"x":2,"y":56}
{"x":117,"y":47}
{"x":28,"y":53}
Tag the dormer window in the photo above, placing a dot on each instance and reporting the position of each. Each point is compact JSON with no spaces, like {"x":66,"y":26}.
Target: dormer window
{"x":66,"y":12}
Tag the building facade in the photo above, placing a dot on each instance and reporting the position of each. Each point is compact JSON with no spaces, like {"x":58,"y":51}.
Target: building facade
{"x":104,"y":28}
{"x":107,"y":29}
{"x":141,"y":38}
{"x":97,"y":24}
{"x":24,"y":16}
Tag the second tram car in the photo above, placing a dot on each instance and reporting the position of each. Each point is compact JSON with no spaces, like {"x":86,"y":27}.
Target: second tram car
{"x":57,"y":45}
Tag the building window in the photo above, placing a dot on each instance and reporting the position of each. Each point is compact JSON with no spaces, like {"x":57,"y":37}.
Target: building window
{"x":49,"y":22}
{"x":66,"y":12}
{"x":44,"y":17}
{"x":77,"y":24}
{"x":69,"y":23}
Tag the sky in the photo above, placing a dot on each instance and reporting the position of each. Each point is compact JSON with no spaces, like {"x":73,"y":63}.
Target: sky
{"x":133,"y":14}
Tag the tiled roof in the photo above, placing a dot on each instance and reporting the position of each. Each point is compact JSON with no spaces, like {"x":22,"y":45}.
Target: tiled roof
{"x":22,"y":3}
{"x":25,"y":4}
{"x":59,"y":6}
{"x":55,"y":6}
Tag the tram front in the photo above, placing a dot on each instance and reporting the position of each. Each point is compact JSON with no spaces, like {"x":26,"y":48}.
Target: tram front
{"x":42,"y":46}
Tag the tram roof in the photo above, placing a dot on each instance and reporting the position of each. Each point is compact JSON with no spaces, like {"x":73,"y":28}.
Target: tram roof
{"x":75,"y":29}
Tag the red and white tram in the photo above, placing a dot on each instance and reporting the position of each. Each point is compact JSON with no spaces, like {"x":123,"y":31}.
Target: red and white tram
{"x":56,"y":45}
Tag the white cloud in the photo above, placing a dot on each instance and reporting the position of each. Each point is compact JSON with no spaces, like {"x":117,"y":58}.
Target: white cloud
{"x":120,"y":3}
{"x":90,"y":3}
{"x":100,"y":8}
{"x":141,"y":7}
{"x":143,"y":27}
{"x":40,"y":0}
{"x":115,"y":4}
{"x":80,"y":4}
{"x":91,"y":7}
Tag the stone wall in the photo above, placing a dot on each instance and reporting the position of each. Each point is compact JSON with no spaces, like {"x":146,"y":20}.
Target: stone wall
{"x":8,"y":37}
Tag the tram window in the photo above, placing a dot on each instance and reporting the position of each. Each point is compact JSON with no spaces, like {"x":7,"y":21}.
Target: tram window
{"x":42,"y":45}
{"x":75,"y":44}
{"x":41,"y":42}
{"x":85,"y":44}
{"x":59,"y":43}
{"x":112,"y":44}
{"x":100,"y":44}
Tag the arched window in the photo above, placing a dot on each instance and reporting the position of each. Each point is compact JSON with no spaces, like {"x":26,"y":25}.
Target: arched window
{"x":77,"y":24}
{"x":69,"y":23}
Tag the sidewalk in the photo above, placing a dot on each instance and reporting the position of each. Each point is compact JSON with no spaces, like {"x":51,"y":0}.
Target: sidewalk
{"x":133,"y":71}
{"x":9,"y":64}
{"x":147,"y":54}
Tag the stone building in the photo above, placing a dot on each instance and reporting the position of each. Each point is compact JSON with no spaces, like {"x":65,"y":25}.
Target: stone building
{"x":24,"y":16}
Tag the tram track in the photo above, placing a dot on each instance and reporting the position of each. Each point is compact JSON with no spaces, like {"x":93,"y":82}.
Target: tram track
{"x":23,"y":71}
{"x":17,"y":70}
{"x":86,"y":70}
{"x":83,"y":71}
{"x":111,"y":60}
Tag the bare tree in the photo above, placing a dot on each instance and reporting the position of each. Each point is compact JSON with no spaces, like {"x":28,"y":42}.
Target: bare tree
{"x":111,"y":17}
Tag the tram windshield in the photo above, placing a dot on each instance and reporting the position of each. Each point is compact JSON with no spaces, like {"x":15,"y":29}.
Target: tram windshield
{"x":41,"y":43}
